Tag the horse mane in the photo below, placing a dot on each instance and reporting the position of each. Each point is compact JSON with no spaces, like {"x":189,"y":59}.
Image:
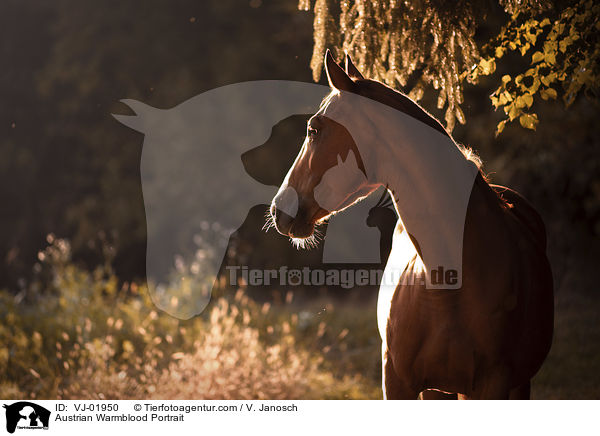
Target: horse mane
{"x":384,"y":94}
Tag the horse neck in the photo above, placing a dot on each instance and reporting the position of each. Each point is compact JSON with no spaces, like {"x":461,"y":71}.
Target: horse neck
{"x":430,"y":180}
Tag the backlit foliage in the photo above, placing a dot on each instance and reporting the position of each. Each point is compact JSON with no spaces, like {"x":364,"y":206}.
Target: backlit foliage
{"x":74,"y":334}
{"x":564,"y":58}
{"x":417,"y":44}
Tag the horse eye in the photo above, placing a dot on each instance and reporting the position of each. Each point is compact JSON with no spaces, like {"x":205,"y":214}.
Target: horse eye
{"x":312,"y":131}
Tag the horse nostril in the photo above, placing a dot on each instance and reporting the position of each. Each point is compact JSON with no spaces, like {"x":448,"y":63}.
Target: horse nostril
{"x":282,"y":220}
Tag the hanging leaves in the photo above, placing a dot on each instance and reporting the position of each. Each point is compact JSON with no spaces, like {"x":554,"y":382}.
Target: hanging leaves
{"x":326,"y":33}
{"x":430,"y":43}
{"x":565,"y":53}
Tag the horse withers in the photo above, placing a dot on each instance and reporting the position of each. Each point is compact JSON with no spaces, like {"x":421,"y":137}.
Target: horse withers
{"x":466,"y":302}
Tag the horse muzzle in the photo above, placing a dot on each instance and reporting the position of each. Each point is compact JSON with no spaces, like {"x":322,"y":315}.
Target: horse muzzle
{"x":293,"y":227}
{"x":291,"y":218}
{"x":283,"y":221}
{"x":284,"y":209}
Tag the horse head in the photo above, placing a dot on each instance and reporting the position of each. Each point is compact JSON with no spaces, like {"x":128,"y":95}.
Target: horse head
{"x":328,"y":174}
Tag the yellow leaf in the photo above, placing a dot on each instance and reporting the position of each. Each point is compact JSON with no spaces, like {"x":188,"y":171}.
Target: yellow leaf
{"x":562,"y":45}
{"x":519,"y":79}
{"x":529,"y":121}
{"x":545,"y":22}
{"x":500,"y":127}
{"x":523,"y":101}
{"x":520,"y":103}
{"x":537,"y":57}
{"x":513,"y":112}
{"x":504,"y":98}
{"x":547,"y":80}
{"x":487,"y":66}
{"x":548,"y":94}
{"x":505,"y":78}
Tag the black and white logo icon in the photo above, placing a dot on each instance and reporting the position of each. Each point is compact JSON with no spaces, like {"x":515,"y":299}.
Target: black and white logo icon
{"x":26,"y":415}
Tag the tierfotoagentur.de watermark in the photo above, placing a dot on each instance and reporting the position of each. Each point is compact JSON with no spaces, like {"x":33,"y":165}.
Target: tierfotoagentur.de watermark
{"x":345,"y":278}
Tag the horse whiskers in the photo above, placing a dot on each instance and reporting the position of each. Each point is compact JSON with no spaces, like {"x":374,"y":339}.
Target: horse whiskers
{"x":308,"y":243}
{"x":305,"y":243}
{"x":302,"y":243}
{"x":269,"y":221}
{"x":268,"y":225}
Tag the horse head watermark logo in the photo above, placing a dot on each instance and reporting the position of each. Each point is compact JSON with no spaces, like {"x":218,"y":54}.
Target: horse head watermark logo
{"x":26,"y":415}
{"x":197,"y":191}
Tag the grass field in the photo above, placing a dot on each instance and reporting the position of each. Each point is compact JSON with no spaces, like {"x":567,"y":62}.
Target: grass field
{"x":75,"y":334}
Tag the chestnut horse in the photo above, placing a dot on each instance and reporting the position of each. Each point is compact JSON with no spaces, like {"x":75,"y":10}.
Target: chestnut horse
{"x":484,"y":338}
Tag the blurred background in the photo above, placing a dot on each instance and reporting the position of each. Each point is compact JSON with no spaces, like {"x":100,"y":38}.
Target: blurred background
{"x":76,"y":320}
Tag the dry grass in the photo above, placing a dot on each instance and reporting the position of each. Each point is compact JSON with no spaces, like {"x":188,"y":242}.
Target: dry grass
{"x":82,"y":338}
{"x":73,"y":334}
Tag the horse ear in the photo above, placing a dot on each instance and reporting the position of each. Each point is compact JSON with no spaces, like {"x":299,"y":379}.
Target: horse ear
{"x":139,"y":121}
{"x":351,"y":69}
{"x":336,"y":76}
